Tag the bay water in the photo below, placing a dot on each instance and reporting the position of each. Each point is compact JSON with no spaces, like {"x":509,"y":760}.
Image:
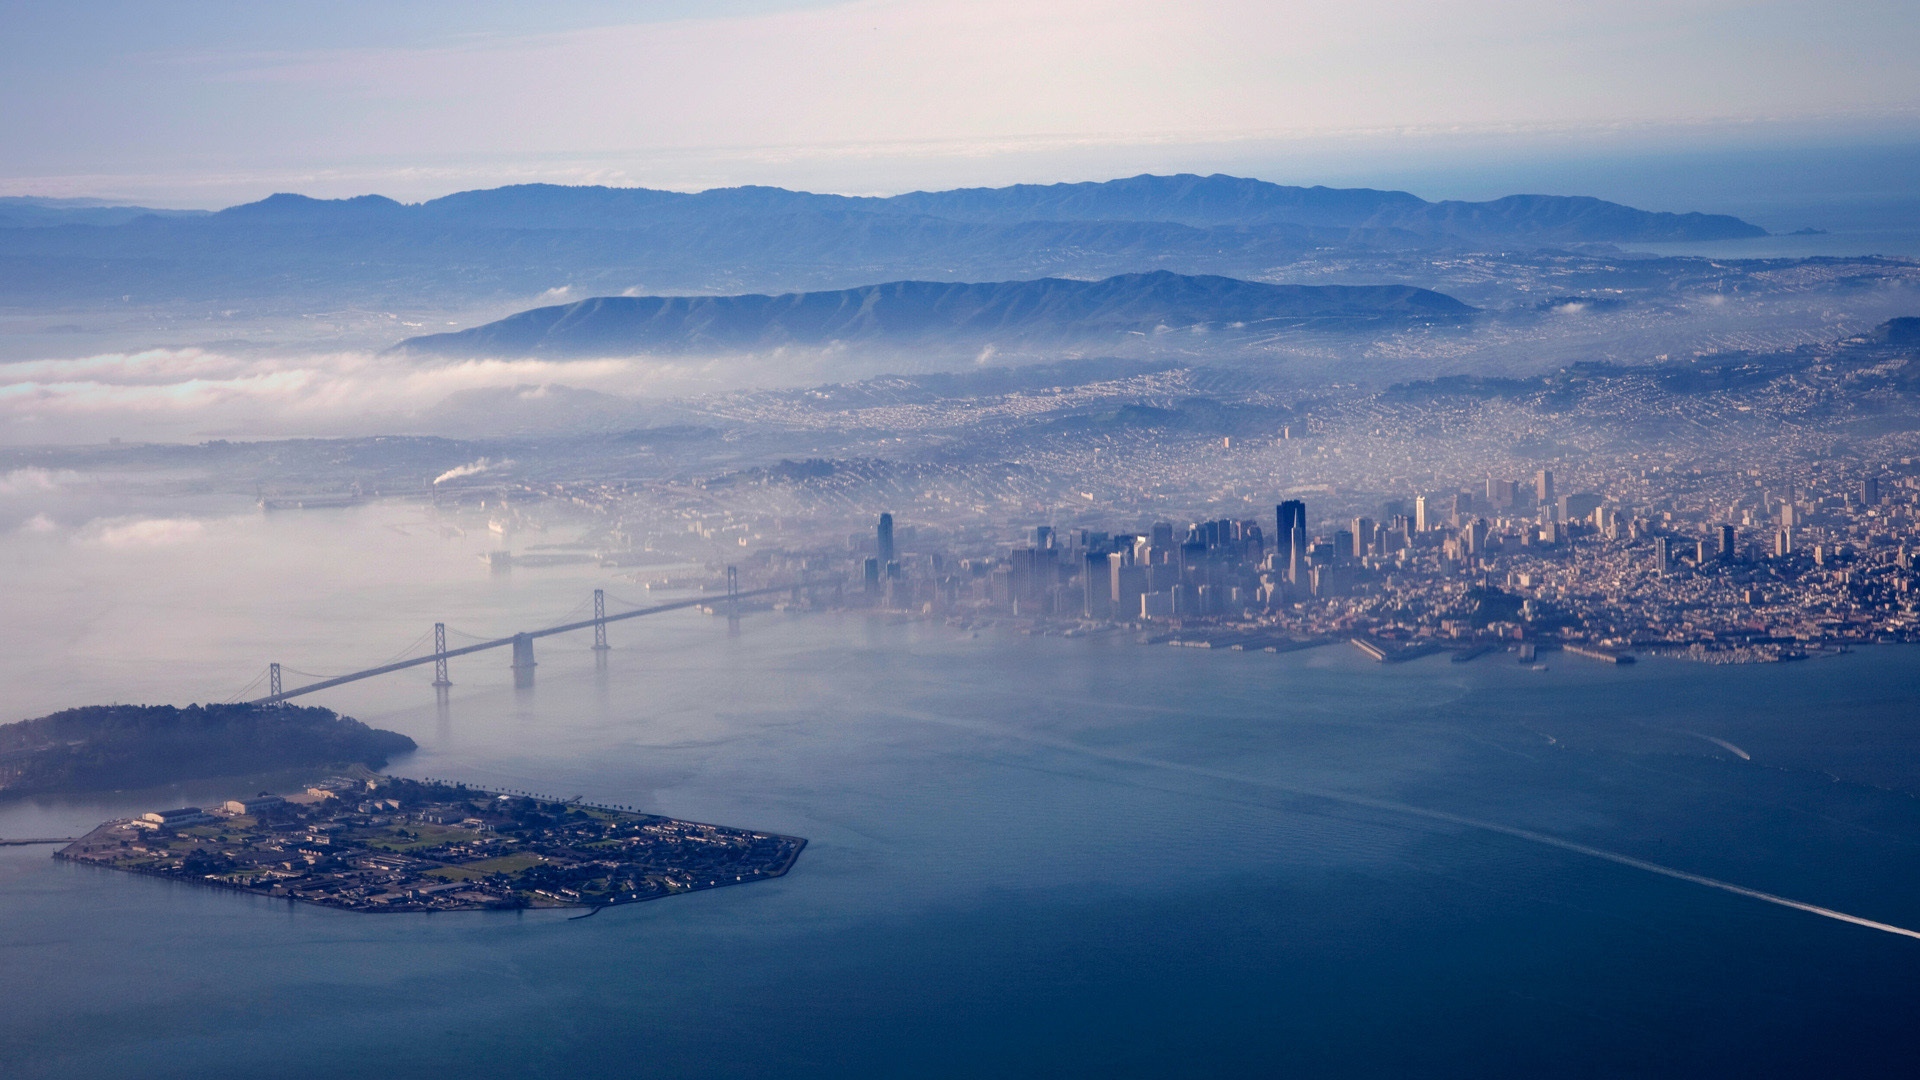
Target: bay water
{"x":1028,"y":855}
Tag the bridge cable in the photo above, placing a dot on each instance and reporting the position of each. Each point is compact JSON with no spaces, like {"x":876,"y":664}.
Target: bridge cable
{"x":578,"y":609}
{"x":249,"y":688}
{"x":402,"y":654}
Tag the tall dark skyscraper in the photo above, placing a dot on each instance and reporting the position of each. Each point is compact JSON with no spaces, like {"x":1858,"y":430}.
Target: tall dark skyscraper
{"x":883,"y":535}
{"x":1097,"y":602}
{"x":1288,"y":516}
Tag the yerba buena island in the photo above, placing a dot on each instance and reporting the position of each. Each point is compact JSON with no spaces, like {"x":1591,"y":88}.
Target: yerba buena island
{"x":368,"y":842}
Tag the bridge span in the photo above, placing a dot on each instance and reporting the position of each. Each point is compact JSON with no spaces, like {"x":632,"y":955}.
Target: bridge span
{"x":521,"y":643}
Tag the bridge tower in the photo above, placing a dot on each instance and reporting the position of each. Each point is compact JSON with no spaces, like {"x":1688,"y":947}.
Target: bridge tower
{"x":440,"y":655}
{"x":599,"y":620}
{"x":273,"y":680}
{"x":733,"y":592}
{"x":523,"y":661}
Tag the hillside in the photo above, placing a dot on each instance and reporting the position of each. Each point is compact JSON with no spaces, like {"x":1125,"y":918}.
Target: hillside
{"x":1212,"y":201}
{"x":103,"y":747}
{"x":906,"y":312}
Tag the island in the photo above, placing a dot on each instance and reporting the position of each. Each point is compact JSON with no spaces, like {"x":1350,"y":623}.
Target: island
{"x":368,"y":842}
{"x":117,"y":747}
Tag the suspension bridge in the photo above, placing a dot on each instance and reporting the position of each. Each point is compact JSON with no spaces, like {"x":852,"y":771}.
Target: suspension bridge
{"x":521,"y":643}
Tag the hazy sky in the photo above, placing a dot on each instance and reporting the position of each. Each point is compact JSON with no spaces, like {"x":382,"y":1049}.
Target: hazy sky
{"x":214,"y":102}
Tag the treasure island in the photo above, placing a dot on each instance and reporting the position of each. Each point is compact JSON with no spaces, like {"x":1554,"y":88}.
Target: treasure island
{"x":368,"y":842}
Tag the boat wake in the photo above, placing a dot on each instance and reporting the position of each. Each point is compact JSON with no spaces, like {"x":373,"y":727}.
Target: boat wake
{"x":1722,"y":744}
{"x":1349,"y":799}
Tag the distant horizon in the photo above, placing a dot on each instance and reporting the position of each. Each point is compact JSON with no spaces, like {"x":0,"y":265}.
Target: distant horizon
{"x":222,"y":102}
{"x":1798,"y":178}
{"x":132,"y":202}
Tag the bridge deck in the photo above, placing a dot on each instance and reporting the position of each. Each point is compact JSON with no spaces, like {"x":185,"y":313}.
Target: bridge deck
{"x":499,"y":643}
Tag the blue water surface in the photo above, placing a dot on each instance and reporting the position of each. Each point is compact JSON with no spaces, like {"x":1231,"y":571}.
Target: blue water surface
{"x":1041,"y":857}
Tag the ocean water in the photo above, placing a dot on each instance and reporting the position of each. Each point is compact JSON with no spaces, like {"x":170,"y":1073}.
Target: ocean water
{"x":1028,"y":856}
{"x":1856,"y":195}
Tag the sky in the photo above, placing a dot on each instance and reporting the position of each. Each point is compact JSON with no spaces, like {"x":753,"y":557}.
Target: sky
{"x":210,"y":103}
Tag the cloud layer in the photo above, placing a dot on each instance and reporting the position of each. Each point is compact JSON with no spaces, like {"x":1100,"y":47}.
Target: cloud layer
{"x":195,"y":393}
{"x":148,"y":532}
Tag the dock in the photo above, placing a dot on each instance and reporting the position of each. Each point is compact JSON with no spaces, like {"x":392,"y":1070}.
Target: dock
{"x":1602,"y":655}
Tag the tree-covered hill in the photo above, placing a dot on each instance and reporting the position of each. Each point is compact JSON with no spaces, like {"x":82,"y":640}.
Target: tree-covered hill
{"x":102,"y":747}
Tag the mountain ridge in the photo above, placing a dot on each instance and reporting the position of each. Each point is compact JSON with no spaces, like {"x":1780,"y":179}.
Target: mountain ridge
{"x":291,"y":252}
{"x":905,"y":312}
{"x":1185,"y":198}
